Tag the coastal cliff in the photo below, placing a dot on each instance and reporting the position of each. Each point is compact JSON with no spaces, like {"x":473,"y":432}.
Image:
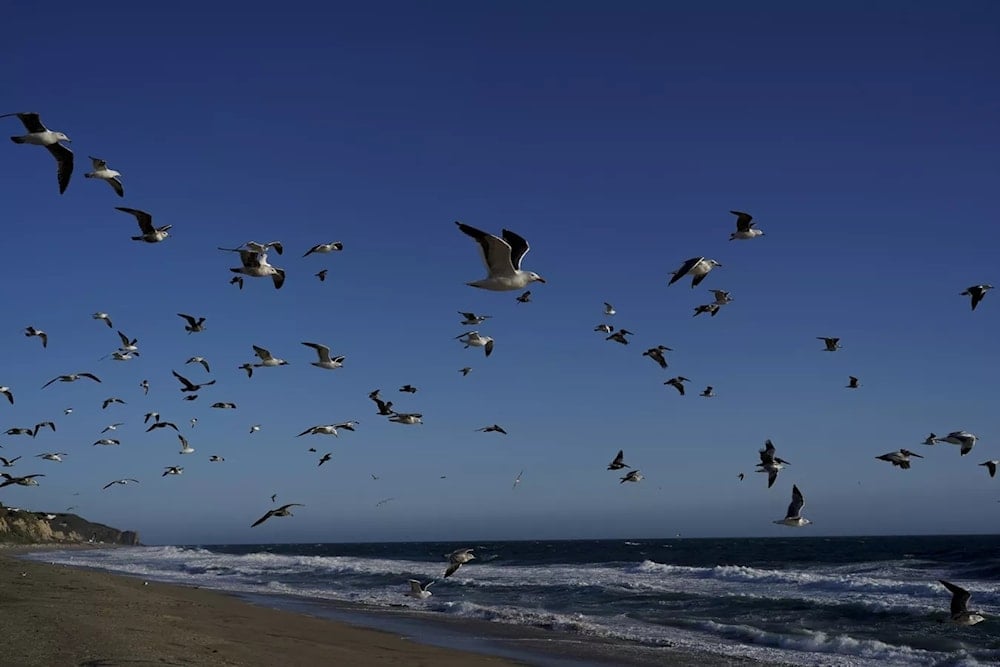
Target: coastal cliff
{"x":19,"y":526}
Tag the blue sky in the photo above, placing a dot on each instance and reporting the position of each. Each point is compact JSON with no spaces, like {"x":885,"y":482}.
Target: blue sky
{"x":863,"y":140}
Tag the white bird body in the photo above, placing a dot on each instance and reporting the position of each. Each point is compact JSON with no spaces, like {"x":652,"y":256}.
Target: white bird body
{"x":502,"y":257}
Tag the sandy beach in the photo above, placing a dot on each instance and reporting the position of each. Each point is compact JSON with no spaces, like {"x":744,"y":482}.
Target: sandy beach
{"x":54,"y":616}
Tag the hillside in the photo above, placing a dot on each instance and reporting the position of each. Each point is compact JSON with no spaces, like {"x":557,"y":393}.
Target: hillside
{"x":20,"y":526}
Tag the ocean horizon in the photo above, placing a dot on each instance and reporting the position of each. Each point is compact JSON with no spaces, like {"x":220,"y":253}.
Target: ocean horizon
{"x":861,"y":600}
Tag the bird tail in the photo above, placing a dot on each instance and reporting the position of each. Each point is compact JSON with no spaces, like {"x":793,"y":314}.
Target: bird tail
{"x":18,"y":140}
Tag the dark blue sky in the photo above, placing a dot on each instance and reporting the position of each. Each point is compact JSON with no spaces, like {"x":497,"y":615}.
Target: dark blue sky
{"x":862,"y":136}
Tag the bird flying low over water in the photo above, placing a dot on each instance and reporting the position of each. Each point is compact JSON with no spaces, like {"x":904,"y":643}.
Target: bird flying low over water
{"x":696,"y":267}
{"x":960,"y":614}
{"x":418,"y":590}
{"x":976,"y":293}
{"x":793,"y":517}
{"x":104,"y":173}
{"x":744,"y":227}
{"x":39,"y":135}
{"x":457,"y":559}
{"x":150,"y":234}
{"x":281,"y":511}
{"x":502,"y":257}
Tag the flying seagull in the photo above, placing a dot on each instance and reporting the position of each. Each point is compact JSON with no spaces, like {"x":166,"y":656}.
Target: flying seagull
{"x":852,"y":382}
{"x":236,"y":280}
{"x":172,"y":470}
{"x":963,"y":439}
{"x":793,"y":517}
{"x":326,"y":457}
{"x":721,"y":296}
{"x":107,"y":442}
{"x":266,"y":358}
{"x":618,"y":463}
{"x":188,"y":385}
{"x":27,"y":480}
{"x":409,"y":418}
{"x":111,"y":400}
{"x":744,"y":227}
{"x":900,"y":458}
{"x":325,"y":360}
{"x":697,"y":268}
{"x":254,"y":264}
{"x":656,"y":354}
{"x":319,"y":274}
{"x":976,"y":292}
{"x":39,"y":135}
{"x":110,"y":176}
{"x":604,"y":328}
{"x":457,"y":559}
{"x":678,"y":383}
{"x":281,"y":511}
{"x":465,"y":370}
{"x":960,"y":614}
{"x":991,"y":466}
{"x":161,"y":424}
{"x":215,"y":458}
{"x":476,"y":339}
{"x":418,"y":590}
{"x":105,"y":317}
{"x":517,"y":480}
{"x":770,"y":463}
{"x":322,"y":429}
{"x":472,"y":320}
{"x":123,"y":482}
{"x":324,"y":248}
{"x":224,"y":405}
{"x":199,"y":360}
{"x":185,"y":447}
{"x":8,"y":393}
{"x":711,"y":308}
{"x":52,"y":456}
{"x":502,"y":257}
{"x":609,"y":309}
{"x":632,"y":476}
{"x":708,"y":393}
{"x":150,"y":234}
{"x":72,"y":377}
{"x":194,"y":325}
{"x":9,"y":463}
{"x":32,"y":331}
{"x":495,"y":428}
{"x":524,"y":297}
{"x":832,"y":344}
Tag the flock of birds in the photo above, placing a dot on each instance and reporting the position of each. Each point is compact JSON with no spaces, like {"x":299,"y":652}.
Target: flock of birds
{"x":502,"y":256}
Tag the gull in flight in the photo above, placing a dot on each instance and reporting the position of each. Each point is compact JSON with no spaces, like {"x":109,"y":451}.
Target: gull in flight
{"x":107,"y":442}
{"x":124,"y":482}
{"x":525,"y":297}
{"x":991,"y":466}
{"x":472,"y":320}
{"x":963,"y":439}
{"x":418,"y":590}
{"x":144,"y":385}
{"x":194,"y":325}
{"x":199,"y":360}
{"x":128,"y":344}
{"x":710,"y":308}
{"x":172,"y":470}
{"x":188,"y":385}
{"x":39,"y":135}
{"x":457,"y":559}
{"x":236,"y":280}
{"x":27,"y":480}
{"x":215,"y":458}
{"x":770,"y":463}
{"x":325,"y":360}
{"x":832,"y":344}
{"x":502,"y":257}
{"x":72,"y":377}
{"x":32,"y":331}
{"x":266,"y":358}
{"x":793,"y":517}
{"x":696,"y":267}
{"x":744,"y":227}
{"x":253,"y":246}
{"x":976,"y":292}
{"x":475,"y":339}
{"x":464,"y":371}
{"x":110,"y":176}
{"x":721,"y":296}
{"x":852,"y":382}
{"x":326,"y":457}
{"x":8,"y":393}
{"x":900,"y":458}
{"x":495,"y":428}
{"x":408,"y":389}
{"x":109,"y":401}
{"x":406,"y":418}
{"x":656,"y":354}
{"x":708,"y":393}
{"x":324,"y":248}
{"x":609,"y":310}
{"x":604,"y":328}
{"x":618,"y":463}
{"x":161,"y":424}
{"x":52,"y":456}
{"x":9,"y":463}
{"x":322,"y":429}
{"x":632,"y":476}
{"x":254,"y":264}
{"x":678,"y":383}
{"x":517,"y":480}
{"x":105,"y":317}
{"x":281,"y":511}
{"x":224,"y":405}
{"x":150,"y":234}
{"x":960,"y":614}
{"x":321,"y":274}
{"x":254,"y":428}
{"x":112,"y":427}
{"x":185,"y":447}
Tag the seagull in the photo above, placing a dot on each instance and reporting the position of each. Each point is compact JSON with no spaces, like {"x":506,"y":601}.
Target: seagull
{"x":193,"y":421}
{"x":199,"y":360}
{"x":348,"y":425}
{"x":185,"y":447}
{"x":656,"y":354}
{"x":39,"y":135}
{"x":236,"y":280}
{"x":188,"y":385}
{"x":253,"y":246}
{"x":109,"y":176}
{"x":254,"y":264}
{"x":324,"y":248}
{"x":632,"y":476}
{"x":609,"y":310}
{"x":721,"y":296}
{"x":326,"y":457}
{"x":193,"y":325}
{"x":107,"y":442}
{"x":248,"y":367}
{"x":150,"y":234}
{"x":964,"y":439}
{"x":604,"y":328}
{"x":220,"y":405}
{"x":618,"y":463}
{"x":254,"y":428}
{"x":281,"y":511}
{"x":619,"y":336}
{"x":52,"y":456}
{"x":770,"y":463}
{"x":930,"y":440}
{"x":321,"y":274}
{"x":472,"y":320}
{"x":465,"y":371}
{"x":9,"y":463}
{"x":418,"y":590}
{"x":900,"y":458}
{"x":322,"y":429}
{"x":325,"y":360}
{"x":67,"y":411}
{"x":793,"y":517}
{"x":384,"y":407}
{"x":517,"y":480}
{"x":710,"y":308}
{"x":118,"y":355}
{"x":19,"y":431}
{"x":525,"y":297}
{"x":852,"y":382}
{"x":266,"y":358}
{"x":740,"y":476}
{"x":72,"y":377}
{"x":27,"y":480}
{"x":696,"y":267}
{"x":744,"y":227}
{"x":457,"y":559}
{"x":407,"y":418}
{"x":109,"y":401}
{"x":960,"y":614}
{"x":8,"y":393}
{"x":172,"y":470}
{"x":977,"y":292}
{"x":215,"y":458}
{"x":155,"y":416}
{"x":105,"y":317}
{"x":502,"y":257}
{"x":708,"y":393}
{"x":832,"y":344}
{"x":123,"y":482}
{"x":274,"y":497}
{"x":475,"y":339}
{"x":144,"y":385}
{"x":32,"y":331}
{"x":991,"y":466}
{"x":495,"y":428}
{"x":677,"y":383}
{"x":160,"y":424}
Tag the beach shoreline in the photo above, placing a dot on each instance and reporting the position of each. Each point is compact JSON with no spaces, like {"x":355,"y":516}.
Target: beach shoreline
{"x":112,"y":618}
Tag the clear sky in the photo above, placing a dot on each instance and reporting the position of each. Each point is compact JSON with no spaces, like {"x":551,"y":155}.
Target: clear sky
{"x":862,"y":137}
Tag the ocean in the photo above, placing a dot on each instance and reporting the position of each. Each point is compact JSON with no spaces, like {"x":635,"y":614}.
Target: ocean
{"x":795,"y":601}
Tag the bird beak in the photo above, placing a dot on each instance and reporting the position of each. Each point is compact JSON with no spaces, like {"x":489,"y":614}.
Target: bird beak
{"x":540,"y":279}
